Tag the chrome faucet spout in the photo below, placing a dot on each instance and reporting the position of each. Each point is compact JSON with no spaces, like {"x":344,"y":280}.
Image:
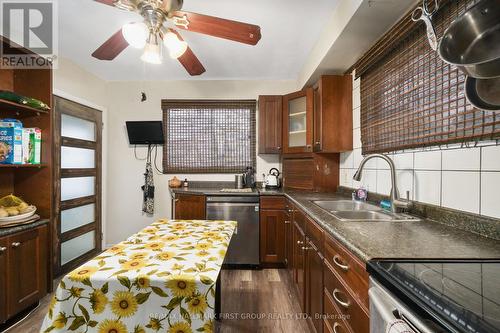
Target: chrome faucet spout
{"x":395,"y":201}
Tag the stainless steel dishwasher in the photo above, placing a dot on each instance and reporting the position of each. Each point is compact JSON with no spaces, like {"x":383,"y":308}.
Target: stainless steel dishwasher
{"x":244,"y":247}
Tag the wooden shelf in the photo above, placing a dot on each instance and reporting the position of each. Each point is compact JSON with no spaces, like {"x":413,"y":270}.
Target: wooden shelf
{"x":15,"y":110}
{"x":297,"y":114}
{"x":297,"y":132}
{"x":22,"y":166}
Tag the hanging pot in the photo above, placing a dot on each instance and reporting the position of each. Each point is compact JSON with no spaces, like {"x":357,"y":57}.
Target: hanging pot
{"x":472,"y":42}
{"x":483,"y":94}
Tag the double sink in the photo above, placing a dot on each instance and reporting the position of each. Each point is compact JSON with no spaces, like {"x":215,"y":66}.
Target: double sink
{"x":356,"y":211}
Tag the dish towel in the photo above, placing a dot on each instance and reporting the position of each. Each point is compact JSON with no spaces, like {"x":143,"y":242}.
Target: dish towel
{"x":398,"y":326}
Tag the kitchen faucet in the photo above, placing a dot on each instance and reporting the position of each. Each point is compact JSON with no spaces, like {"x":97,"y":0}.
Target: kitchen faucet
{"x":396,"y":202}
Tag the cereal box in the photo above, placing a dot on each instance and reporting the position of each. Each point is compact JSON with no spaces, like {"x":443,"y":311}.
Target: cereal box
{"x":11,"y":144}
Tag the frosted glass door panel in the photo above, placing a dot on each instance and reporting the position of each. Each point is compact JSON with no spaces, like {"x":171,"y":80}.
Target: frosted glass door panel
{"x":77,"y":158}
{"x":73,"y":127}
{"x":297,"y":122}
{"x":77,"y":217}
{"x":72,"y":188}
{"x":297,"y":105}
{"x":77,"y":246}
{"x":297,"y":139}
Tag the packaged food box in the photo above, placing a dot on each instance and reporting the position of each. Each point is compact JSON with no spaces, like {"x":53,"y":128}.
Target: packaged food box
{"x":32,"y":144}
{"x":11,"y":143}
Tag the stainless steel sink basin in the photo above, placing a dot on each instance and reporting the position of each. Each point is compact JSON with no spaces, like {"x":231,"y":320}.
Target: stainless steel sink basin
{"x":356,"y":211}
{"x":345,"y":205}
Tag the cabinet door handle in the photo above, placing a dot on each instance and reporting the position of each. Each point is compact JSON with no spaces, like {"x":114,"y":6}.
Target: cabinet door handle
{"x":279,"y":148}
{"x":341,"y":303}
{"x":3,"y":249}
{"x":287,"y":222}
{"x":317,"y":142}
{"x":175,"y":200}
{"x":16,"y":244}
{"x":337,"y":260}
{"x":305,"y":248}
{"x":335,"y":327}
{"x":300,"y":242}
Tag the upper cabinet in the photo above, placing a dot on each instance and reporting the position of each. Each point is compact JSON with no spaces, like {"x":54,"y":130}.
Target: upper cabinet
{"x":297,"y":121}
{"x":270,"y":119}
{"x":333,"y":114}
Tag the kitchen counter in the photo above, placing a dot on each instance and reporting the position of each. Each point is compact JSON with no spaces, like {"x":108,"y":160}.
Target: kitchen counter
{"x":23,"y":227}
{"x":425,"y":239}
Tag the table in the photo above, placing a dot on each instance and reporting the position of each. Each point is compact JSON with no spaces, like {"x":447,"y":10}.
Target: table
{"x":163,"y":278}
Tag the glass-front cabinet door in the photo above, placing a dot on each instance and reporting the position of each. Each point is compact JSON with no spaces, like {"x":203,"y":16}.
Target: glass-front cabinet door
{"x":297,"y":121}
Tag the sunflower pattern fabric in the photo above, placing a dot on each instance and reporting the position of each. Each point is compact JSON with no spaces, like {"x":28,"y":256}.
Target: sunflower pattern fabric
{"x":161,"y":279}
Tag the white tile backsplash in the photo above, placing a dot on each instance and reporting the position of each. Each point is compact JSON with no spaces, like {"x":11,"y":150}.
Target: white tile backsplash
{"x":490,"y":158}
{"x":462,"y":159}
{"x":465,"y":179}
{"x":461,"y":190}
{"x":490,"y":204}
{"x":427,"y":187}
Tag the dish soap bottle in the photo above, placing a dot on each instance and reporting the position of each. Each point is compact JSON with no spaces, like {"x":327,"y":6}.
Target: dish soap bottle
{"x":185,"y":183}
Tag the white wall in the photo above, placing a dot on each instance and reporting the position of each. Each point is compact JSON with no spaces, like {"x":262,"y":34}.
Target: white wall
{"x":124,"y":215}
{"x":465,"y":179}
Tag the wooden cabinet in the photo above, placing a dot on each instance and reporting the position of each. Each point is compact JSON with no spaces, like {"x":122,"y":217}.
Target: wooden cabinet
{"x":332,"y":120}
{"x":272,"y":231}
{"x":270,"y":124}
{"x":23,"y":270}
{"x":299,"y":262}
{"x":189,"y":207}
{"x":314,"y":285}
{"x":289,"y":235}
{"x":297,"y":121}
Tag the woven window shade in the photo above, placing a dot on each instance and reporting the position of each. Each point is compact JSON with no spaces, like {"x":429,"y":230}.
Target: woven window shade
{"x":208,"y":136}
{"x":410,"y":98}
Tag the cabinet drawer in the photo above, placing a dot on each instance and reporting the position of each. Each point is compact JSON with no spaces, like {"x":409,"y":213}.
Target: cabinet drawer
{"x":348,"y":268}
{"x":277,"y":202}
{"x":334,"y":321}
{"x":315,"y":233}
{"x":355,"y":314}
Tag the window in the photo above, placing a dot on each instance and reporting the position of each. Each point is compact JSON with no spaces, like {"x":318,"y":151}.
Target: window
{"x":208,"y":136}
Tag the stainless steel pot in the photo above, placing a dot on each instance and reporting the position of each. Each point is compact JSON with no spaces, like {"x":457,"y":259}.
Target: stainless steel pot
{"x":472,"y":42}
{"x":483,"y":94}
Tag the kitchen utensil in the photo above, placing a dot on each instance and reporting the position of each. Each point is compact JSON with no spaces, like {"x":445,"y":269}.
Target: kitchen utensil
{"x":239,"y":181}
{"x":249,"y":177}
{"x":425,"y":13}
{"x":484,"y":94}
{"x":272,"y":179}
{"x":30,"y":211}
{"x":472,"y":42}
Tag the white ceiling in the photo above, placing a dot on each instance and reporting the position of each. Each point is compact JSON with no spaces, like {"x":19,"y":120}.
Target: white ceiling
{"x":290,"y":29}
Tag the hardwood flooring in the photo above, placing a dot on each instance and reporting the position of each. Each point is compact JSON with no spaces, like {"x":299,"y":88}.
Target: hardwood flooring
{"x":252,"y":301}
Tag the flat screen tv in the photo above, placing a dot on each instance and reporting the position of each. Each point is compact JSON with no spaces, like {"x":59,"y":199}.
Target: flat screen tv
{"x":145,"y":132}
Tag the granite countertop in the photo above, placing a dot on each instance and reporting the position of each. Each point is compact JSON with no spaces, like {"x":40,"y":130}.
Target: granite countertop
{"x":14,"y":229}
{"x":424,"y":239}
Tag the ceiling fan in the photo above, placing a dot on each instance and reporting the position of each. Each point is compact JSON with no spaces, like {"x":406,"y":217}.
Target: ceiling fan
{"x":153,"y":32}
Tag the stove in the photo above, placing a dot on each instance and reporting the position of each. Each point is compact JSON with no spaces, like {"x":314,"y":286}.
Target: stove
{"x":458,"y":296}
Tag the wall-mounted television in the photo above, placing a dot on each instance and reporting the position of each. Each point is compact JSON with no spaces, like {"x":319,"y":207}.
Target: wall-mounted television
{"x":145,"y":132}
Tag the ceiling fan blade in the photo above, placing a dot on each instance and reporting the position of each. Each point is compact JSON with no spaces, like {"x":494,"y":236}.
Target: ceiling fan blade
{"x":106,"y":2}
{"x":112,"y":47}
{"x":217,"y":27}
{"x":189,"y":60}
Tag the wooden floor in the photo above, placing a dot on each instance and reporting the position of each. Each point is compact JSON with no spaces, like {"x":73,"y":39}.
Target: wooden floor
{"x":252,"y":301}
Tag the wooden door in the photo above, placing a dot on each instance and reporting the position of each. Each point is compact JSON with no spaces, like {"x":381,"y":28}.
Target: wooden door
{"x":270,"y":124}
{"x":317,"y":122}
{"x":3,"y":279}
{"x":27,"y":282}
{"x":272,"y":236}
{"x":299,"y":263}
{"x":314,"y":288}
{"x":189,"y":207}
{"x":77,"y":156}
{"x":297,"y":121}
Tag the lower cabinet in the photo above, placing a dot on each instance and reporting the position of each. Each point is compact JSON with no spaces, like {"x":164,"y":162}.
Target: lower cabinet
{"x":272,"y":237}
{"x":23,"y":270}
{"x":189,"y":207}
{"x":314,"y":287}
{"x":289,"y":236}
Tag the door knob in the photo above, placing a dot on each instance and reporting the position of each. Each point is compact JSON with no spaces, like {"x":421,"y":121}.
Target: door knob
{"x":16,"y":244}
{"x":3,"y":249}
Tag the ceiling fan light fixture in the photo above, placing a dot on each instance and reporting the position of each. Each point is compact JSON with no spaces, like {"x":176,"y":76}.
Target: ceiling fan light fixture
{"x":135,"y":34}
{"x":175,"y":46}
{"x":152,"y":51}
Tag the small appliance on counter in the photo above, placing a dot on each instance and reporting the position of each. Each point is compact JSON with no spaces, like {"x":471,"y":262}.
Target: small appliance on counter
{"x":272,"y":179}
{"x":249,"y":177}
{"x":239,"y":181}
{"x":433,"y":296}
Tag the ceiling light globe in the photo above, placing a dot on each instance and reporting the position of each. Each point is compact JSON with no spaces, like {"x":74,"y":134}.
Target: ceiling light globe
{"x":152,"y":54}
{"x":175,"y":46}
{"x":135,"y":34}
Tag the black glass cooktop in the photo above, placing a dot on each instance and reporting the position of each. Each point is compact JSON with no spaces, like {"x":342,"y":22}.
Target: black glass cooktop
{"x":463,"y":295}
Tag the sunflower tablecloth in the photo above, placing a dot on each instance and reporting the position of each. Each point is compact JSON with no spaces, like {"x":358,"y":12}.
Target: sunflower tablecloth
{"x":161,"y":279}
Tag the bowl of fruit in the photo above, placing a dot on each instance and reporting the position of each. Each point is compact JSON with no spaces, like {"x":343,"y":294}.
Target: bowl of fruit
{"x":14,"y":209}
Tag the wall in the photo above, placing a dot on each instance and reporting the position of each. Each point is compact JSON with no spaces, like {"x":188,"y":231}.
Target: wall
{"x":465,"y":179}
{"x":125,"y":197}
{"x":74,"y":83}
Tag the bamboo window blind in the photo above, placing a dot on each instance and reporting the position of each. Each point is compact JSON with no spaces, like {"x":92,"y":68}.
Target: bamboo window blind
{"x":410,"y":98}
{"x":214,"y":136}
